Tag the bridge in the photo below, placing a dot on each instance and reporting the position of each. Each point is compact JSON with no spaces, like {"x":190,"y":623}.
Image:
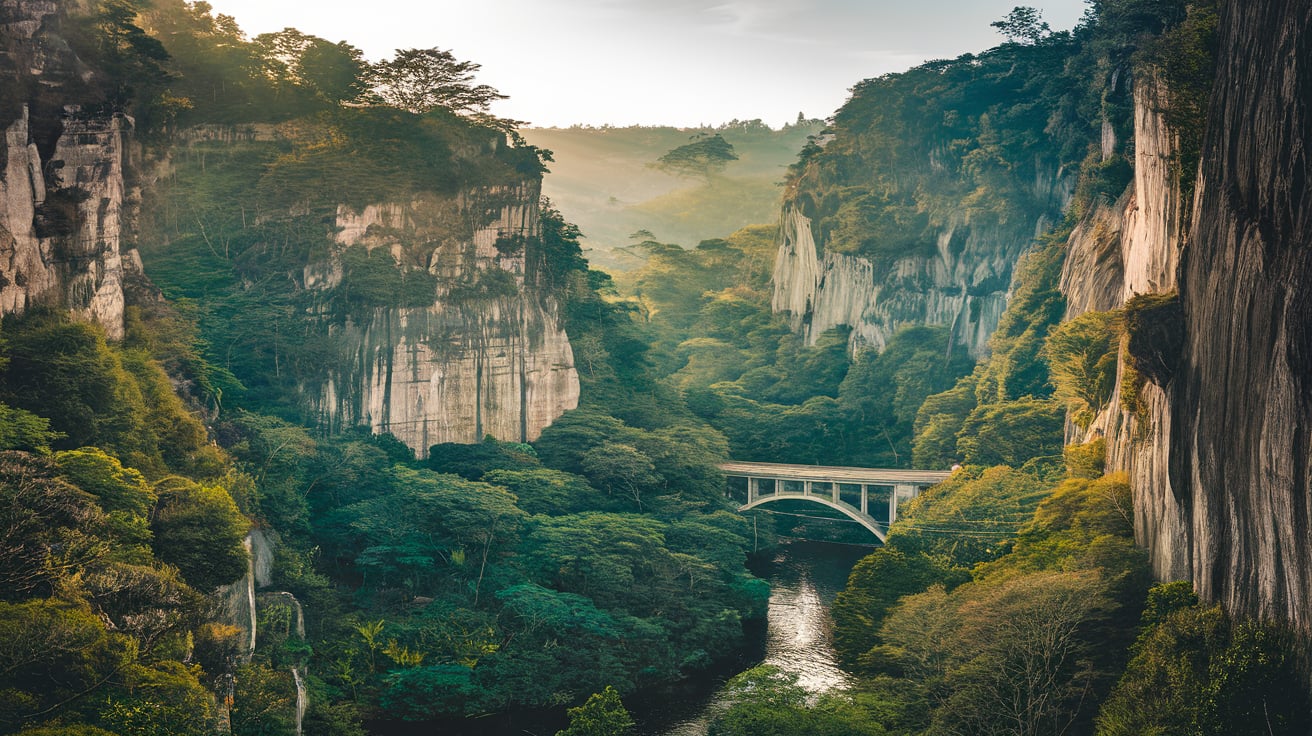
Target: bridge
{"x":868,"y":496}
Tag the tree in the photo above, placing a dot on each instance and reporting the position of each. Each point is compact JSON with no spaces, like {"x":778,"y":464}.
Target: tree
{"x":704,"y":156}
{"x":1012,"y":432}
{"x":621,"y":470}
{"x":1081,"y":356}
{"x":876,"y":584}
{"x":199,"y":529}
{"x":602,"y":715}
{"x":48,"y":528}
{"x":420,"y":80}
{"x":1198,"y":670}
{"x":1023,"y":25}
{"x":23,"y":430}
{"x":1017,"y":664}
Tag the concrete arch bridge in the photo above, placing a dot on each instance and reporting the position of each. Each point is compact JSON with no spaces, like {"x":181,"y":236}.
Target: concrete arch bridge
{"x":868,"y":496}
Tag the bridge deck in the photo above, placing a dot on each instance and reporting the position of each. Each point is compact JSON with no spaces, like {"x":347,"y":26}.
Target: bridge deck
{"x":825,"y":474}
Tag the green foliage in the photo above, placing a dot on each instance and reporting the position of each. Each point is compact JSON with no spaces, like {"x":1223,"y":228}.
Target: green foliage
{"x":971,"y":517}
{"x":705,"y":156}
{"x":129,"y":62}
{"x":474,"y":461}
{"x":420,"y":80}
{"x":1198,"y":670}
{"x":23,"y":430}
{"x":1012,"y":432}
{"x":199,"y":529}
{"x":1082,"y":355}
{"x":1154,"y":330}
{"x":768,"y":701}
{"x":913,"y":154}
{"x":51,"y":527}
{"x":95,"y":394}
{"x":122,"y":492}
{"x":1023,"y":25}
{"x":602,"y":715}
{"x":1087,"y":460}
{"x":875,"y":585}
{"x":550,"y":492}
{"x":940,"y":419}
{"x":263,"y":702}
{"x":65,"y":371}
{"x":94,"y":629}
{"x":1016,"y":367}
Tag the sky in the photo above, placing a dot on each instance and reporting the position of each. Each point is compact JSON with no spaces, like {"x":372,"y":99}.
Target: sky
{"x":660,"y":62}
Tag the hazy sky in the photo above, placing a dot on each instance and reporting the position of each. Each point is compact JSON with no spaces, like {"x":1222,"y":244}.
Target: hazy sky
{"x":680,"y":62}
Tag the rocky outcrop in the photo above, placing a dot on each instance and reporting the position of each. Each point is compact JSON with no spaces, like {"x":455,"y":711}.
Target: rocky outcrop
{"x":1220,"y":449}
{"x":1241,"y":429}
{"x":1117,"y":251}
{"x":61,"y":179}
{"x":488,"y":356}
{"x":965,"y":284}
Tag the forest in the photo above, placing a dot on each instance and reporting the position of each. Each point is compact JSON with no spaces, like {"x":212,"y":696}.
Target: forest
{"x":146,"y":482}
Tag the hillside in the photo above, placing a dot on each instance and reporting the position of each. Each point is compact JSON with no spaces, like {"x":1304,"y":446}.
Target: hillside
{"x":604,"y":180}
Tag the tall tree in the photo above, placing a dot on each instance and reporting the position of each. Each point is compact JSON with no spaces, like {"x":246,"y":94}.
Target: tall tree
{"x":420,"y":80}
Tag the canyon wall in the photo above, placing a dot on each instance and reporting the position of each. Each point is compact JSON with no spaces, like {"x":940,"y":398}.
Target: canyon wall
{"x":1219,"y":449}
{"x":1118,"y":251}
{"x":474,"y":362}
{"x":963,"y":285}
{"x":1241,"y":424}
{"x":62,"y":188}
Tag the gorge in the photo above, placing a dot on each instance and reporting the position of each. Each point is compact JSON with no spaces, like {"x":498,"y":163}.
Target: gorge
{"x":314,"y":417}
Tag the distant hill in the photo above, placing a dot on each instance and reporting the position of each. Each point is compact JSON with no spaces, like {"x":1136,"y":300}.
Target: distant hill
{"x":603,"y":179}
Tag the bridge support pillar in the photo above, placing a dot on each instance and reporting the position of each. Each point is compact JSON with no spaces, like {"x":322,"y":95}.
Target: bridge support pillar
{"x":753,"y":489}
{"x":807,"y":487}
{"x":865,"y":498}
{"x":900,"y":493}
{"x":833,"y":491}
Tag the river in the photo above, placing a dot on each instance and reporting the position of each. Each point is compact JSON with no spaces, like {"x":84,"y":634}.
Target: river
{"x":804,"y":577}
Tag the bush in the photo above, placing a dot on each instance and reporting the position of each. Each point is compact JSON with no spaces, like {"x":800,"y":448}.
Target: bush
{"x":1154,"y":331}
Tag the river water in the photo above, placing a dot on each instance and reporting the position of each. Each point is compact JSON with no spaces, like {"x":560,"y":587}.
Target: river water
{"x":804,"y":577}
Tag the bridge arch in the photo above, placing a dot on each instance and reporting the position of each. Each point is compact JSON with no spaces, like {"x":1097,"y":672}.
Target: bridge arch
{"x":905,"y":484}
{"x":865,"y":520}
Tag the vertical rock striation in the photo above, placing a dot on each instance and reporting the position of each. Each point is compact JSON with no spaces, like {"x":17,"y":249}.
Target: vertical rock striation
{"x":61,"y":178}
{"x":487,"y":357}
{"x":964,"y":284}
{"x":1220,"y":451}
{"x":1241,"y":434}
{"x":1117,"y":251}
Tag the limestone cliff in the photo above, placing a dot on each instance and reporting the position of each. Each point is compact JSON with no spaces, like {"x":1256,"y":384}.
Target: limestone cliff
{"x":1219,"y":451}
{"x":963,"y":284}
{"x":930,"y":186}
{"x":1117,"y":251}
{"x":416,"y":307}
{"x":1241,"y":425}
{"x":62,"y":185}
{"x":471,"y":363}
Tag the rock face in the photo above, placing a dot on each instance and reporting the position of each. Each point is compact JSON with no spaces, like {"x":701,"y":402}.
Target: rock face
{"x":1241,"y":429}
{"x":61,"y":179}
{"x":480,"y":360}
{"x":1220,"y":456}
{"x":1116,"y":252}
{"x":964,"y":285}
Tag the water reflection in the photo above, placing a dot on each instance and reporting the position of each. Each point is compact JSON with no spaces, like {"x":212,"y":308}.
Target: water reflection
{"x":804,"y":578}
